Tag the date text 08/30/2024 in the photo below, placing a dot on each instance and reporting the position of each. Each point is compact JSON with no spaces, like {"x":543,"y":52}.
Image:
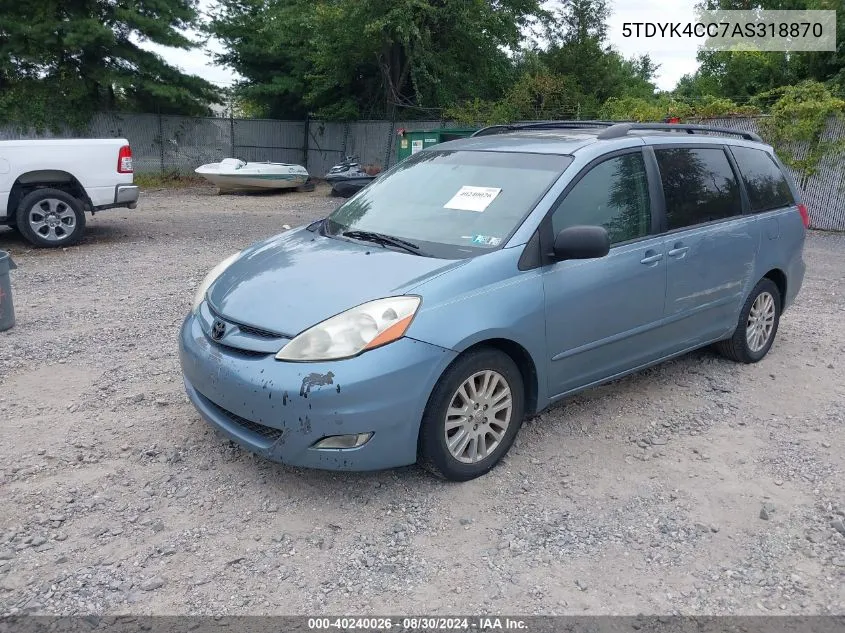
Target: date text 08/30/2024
{"x":416,"y":623}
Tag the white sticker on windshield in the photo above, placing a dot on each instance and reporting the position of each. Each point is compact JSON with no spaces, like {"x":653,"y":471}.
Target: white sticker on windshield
{"x":473,"y":198}
{"x":486,"y":240}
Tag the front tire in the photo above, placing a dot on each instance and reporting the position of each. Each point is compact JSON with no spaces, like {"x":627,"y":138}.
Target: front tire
{"x":758,"y":324}
{"x":50,"y":218}
{"x":472,"y":415}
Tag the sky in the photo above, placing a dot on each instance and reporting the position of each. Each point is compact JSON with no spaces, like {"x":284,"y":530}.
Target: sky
{"x":676,"y":58}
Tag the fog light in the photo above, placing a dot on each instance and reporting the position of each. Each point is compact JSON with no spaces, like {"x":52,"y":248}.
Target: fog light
{"x":344,"y":441}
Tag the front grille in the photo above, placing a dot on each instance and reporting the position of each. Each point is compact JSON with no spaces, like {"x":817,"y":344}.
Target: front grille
{"x":246,"y":329}
{"x":254,"y":331}
{"x":259,"y":429}
{"x":251,"y":353}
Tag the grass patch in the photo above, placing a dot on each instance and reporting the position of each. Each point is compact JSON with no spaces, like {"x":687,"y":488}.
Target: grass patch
{"x":172,"y":180}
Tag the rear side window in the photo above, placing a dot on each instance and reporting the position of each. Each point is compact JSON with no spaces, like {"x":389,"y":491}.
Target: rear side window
{"x":699,"y":185}
{"x":766,"y":185}
{"x":613,"y":194}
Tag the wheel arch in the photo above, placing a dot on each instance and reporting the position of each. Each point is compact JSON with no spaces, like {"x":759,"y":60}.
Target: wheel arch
{"x":779,"y":278}
{"x":46,"y":178}
{"x":524,"y":361}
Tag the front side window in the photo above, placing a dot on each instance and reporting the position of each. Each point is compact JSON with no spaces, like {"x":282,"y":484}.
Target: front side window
{"x":452,"y":204}
{"x":613,"y":194}
{"x":766,"y":185}
{"x":699,"y":185}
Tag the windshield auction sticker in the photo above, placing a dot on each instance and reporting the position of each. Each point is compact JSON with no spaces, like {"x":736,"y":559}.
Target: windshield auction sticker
{"x":473,"y":198}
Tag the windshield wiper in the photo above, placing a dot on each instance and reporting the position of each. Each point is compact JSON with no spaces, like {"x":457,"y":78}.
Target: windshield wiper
{"x":384,"y":240}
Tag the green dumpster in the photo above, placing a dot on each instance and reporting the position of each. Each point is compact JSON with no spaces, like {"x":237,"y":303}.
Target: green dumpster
{"x":413,"y":141}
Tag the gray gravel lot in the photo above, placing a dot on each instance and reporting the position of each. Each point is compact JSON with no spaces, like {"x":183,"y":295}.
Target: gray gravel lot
{"x":699,"y":487}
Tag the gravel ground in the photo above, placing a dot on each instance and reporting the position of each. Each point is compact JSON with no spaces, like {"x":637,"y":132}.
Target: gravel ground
{"x":697,"y":487}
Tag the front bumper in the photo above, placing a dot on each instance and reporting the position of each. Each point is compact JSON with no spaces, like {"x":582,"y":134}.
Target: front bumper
{"x":279,"y":410}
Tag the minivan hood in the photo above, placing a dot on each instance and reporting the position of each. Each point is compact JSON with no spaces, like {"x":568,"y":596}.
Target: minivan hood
{"x":300,"y":278}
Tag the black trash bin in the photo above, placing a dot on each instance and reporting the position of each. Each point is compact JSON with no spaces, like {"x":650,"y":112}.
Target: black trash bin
{"x":7,"y":308}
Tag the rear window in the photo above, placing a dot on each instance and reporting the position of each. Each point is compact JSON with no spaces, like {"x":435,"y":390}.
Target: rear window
{"x":766,"y":185}
{"x":699,"y":185}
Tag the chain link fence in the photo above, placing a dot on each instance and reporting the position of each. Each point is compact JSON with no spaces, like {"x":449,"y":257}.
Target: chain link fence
{"x":164,"y":144}
{"x":168,"y":144}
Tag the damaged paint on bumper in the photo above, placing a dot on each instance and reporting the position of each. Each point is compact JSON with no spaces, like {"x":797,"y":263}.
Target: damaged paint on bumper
{"x":279,"y":410}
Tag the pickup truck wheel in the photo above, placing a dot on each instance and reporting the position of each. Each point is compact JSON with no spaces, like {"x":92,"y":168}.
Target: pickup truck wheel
{"x":50,"y":218}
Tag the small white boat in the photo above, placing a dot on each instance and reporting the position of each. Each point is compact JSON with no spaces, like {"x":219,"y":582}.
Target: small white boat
{"x":232,"y":174}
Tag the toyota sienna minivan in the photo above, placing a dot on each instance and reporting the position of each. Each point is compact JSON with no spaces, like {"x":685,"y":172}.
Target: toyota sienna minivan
{"x":481,"y":280}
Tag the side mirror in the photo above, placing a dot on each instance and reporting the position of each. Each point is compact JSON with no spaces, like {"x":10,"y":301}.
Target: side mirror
{"x":582,"y":242}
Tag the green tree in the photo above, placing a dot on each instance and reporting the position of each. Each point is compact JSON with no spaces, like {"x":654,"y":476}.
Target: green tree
{"x":797,"y":122}
{"x":60,"y":60}
{"x":268,"y":43}
{"x":370,"y":55}
{"x":742,"y":74}
{"x":822,"y":66}
{"x":579,"y":51}
{"x":571,"y":78}
{"x":357,"y":58}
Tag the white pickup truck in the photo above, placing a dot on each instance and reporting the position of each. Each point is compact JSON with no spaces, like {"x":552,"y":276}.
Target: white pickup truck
{"x":46,"y":186}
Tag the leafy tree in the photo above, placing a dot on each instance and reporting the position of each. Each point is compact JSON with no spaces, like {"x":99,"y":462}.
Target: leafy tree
{"x":268,"y":43}
{"x":353,"y":58}
{"x":579,"y":51}
{"x":423,"y":53}
{"x":742,"y":74}
{"x":535,"y":95}
{"x":571,"y":78}
{"x":61,"y":60}
{"x":797,"y":123}
{"x":665,"y":105}
{"x":825,"y":66}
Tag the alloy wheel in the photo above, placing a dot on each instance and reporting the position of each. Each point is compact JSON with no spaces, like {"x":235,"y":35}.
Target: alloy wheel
{"x":761,"y":322}
{"x":52,"y":219}
{"x":478,"y":416}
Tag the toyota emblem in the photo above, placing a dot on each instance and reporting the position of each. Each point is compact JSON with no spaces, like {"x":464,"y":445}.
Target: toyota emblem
{"x":218,"y":329}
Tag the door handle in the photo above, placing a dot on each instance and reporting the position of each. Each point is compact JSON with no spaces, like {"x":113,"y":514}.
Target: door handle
{"x":651,"y":259}
{"x":679,"y":251}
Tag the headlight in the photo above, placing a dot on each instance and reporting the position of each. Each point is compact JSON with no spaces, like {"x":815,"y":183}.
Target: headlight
{"x":367,"y":326}
{"x":209,"y":279}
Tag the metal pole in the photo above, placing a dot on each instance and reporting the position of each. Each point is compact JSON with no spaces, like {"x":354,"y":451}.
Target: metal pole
{"x":345,"y":140}
{"x":160,"y":142}
{"x":390,"y":134}
{"x":232,"y":131}
{"x":305,"y":141}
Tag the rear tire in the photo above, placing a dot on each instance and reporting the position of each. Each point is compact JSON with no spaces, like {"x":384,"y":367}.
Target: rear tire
{"x":50,"y":218}
{"x":487,"y":385}
{"x":757,"y":327}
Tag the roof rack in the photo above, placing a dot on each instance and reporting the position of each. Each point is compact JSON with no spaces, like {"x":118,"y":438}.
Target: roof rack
{"x":542,"y":125}
{"x":622,"y":129}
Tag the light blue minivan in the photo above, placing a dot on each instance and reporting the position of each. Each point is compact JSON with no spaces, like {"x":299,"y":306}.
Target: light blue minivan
{"x":482,"y":280}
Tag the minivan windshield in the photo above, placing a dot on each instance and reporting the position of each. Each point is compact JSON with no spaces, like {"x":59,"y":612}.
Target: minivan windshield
{"x":451,"y":204}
